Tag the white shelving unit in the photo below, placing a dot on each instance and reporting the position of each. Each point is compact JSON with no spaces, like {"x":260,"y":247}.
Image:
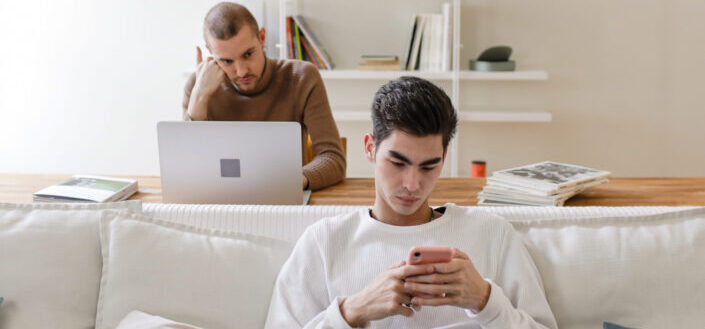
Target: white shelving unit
{"x":455,"y":76}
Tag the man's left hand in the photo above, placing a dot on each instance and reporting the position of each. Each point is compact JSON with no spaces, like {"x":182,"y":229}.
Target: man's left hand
{"x":454,"y":283}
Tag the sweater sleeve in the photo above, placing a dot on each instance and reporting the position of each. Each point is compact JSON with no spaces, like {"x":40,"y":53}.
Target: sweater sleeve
{"x":517,"y":298}
{"x":300,"y":297}
{"x":187,"y":96}
{"x":328,"y":166}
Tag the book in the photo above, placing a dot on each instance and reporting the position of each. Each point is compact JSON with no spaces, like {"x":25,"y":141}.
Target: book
{"x":289,"y":38}
{"x":541,"y":184}
{"x":297,"y":42}
{"x":317,"y":47}
{"x":379,"y":63}
{"x":84,"y":188}
{"x":317,"y":56}
{"x":415,"y":44}
{"x":309,"y":55}
{"x":379,"y":59}
{"x":549,"y":176}
{"x":430,"y":44}
{"x":414,"y":25}
{"x":391,"y":66}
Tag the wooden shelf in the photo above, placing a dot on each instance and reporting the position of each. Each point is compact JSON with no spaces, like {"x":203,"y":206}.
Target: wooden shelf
{"x":464,"y":116}
{"x":463,"y":75}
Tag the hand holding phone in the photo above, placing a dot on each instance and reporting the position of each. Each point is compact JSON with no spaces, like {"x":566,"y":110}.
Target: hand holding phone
{"x":430,"y":254}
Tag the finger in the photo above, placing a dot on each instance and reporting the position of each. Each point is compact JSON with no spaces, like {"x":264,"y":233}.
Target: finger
{"x":430,"y":289}
{"x":460,"y":254}
{"x":433,"y":278}
{"x":403,"y":310}
{"x":438,"y":301}
{"x":199,"y":55}
{"x":450,"y":267}
{"x":410,"y":270}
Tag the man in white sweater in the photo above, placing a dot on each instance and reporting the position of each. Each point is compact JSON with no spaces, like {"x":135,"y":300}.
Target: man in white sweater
{"x":349,"y":271}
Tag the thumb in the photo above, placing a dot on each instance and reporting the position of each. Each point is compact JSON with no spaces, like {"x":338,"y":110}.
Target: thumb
{"x":199,"y":55}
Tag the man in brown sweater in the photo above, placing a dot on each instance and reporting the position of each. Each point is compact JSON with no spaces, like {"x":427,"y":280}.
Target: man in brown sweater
{"x":239,"y":83}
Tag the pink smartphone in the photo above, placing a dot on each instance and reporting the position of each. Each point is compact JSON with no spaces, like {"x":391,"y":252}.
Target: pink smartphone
{"x":430,"y":254}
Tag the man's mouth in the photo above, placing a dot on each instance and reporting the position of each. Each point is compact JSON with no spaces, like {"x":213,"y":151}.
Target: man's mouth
{"x":246,"y":80}
{"x":407,"y":200}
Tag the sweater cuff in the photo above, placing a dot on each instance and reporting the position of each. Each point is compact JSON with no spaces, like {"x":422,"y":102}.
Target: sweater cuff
{"x":334,"y":317}
{"x":322,"y":172}
{"x":496,"y":304}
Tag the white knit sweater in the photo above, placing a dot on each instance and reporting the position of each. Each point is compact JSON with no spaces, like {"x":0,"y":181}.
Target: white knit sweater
{"x":339,"y":256}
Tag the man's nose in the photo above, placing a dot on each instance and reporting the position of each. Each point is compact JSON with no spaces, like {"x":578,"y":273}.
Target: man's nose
{"x":240,"y":69}
{"x":411,"y":180}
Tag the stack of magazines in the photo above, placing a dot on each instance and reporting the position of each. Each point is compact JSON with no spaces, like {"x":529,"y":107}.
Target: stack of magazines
{"x":540,"y":184}
{"x":82,"y":188}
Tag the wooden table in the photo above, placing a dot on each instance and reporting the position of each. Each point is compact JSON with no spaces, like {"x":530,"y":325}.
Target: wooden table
{"x":462,"y":191}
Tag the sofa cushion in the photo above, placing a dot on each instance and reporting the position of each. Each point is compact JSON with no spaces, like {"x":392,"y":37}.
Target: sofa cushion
{"x":141,"y":320}
{"x":639,"y":271}
{"x":50,"y":263}
{"x":200,"y":276}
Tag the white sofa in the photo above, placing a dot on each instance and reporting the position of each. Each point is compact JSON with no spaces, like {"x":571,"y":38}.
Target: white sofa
{"x":212,"y":266}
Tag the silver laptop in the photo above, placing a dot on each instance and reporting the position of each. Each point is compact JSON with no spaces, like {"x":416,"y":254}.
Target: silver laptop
{"x":244,"y":162}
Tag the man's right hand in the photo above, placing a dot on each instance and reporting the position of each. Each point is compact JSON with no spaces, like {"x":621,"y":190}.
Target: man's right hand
{"x":383,"y":297}
{"x":209,"y":76}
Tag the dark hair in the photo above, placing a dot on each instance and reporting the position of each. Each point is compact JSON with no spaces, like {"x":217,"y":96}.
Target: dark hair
{"x":414,"y":106}
{"x":226,"y":19}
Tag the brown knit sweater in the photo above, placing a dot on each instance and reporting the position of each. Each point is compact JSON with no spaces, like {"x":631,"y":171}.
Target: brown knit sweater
{"x":289,"y":90}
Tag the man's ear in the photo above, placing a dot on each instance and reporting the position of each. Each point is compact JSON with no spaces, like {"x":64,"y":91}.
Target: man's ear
{"x":370,"y":147}
{"x":262,"y":35}
{"x":445,"y":152}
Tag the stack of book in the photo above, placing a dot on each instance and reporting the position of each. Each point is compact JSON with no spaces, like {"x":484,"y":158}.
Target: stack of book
{"x":379,"y":63}
{"x":540,"y":184}
{"x":431,"y":41}
{"x":303,"y":45}
{"x":81,"y":188}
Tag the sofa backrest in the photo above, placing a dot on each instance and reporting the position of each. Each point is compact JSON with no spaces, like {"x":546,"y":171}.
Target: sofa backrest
{"x":641,"y":267}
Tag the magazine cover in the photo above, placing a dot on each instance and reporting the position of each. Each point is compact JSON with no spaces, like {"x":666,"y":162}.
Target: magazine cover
{"x":88,"y":188}
{"x":549,"y":176}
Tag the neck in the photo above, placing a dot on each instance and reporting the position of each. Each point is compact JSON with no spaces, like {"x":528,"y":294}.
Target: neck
{"x":385,"y":214}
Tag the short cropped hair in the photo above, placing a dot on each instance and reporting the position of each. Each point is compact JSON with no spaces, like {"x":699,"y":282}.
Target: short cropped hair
{"x":414,"y":106}
{"x":226,"y":19}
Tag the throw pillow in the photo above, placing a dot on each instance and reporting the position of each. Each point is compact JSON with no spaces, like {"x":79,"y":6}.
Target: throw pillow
{"x":50,"y":263}
{"x":209,"y":278}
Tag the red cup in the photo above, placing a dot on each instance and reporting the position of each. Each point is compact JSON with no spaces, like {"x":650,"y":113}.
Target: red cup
{"x":478,"y":168}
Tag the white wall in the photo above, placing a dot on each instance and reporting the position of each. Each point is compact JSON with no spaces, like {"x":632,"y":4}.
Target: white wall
{"x":84,"y":82}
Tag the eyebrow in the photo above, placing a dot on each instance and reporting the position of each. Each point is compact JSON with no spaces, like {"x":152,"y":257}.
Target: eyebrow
{"x":230,"y":59}
{"x":251,"y":49}
{"x":402,"y":158}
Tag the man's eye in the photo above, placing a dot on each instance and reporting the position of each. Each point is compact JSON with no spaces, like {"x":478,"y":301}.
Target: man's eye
{"x":226,"y":61}
{"x":247,"y":54}
{"x":397,"y":164}
{"x":427,"y":168}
